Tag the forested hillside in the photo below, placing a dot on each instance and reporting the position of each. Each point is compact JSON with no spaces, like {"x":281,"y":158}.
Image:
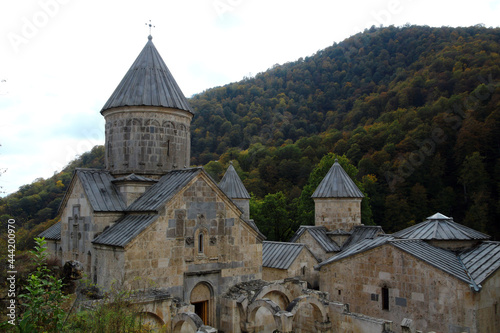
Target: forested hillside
{"x":416,"y":108}
{"x":35,"y":206}
{"x":415,"y":111}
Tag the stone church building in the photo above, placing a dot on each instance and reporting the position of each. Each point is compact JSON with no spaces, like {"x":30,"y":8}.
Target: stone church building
{"x":150,"y":222}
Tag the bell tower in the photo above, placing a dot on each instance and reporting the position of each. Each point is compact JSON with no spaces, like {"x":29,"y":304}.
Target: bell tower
{"x":337,"y":201}
{"x":147,"y":120}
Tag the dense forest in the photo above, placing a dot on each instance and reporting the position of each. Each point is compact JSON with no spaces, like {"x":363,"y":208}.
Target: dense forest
{"x":412,"y":112}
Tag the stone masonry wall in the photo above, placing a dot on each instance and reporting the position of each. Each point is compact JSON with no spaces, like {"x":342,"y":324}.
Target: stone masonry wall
{"x":314,"y":246}
{"x":107,"y":269}
{"x":147,"y":140}
{"x":488,"y":309}
{"x":79,"y":226}
{"x":76,"y":218}
{"x":169,"y":251}
{"x":52,"y":247}
{"x":131,"y":191}
{"x":302,"y":268}
{"x":337,"y":213}
{"x":433,"y":299}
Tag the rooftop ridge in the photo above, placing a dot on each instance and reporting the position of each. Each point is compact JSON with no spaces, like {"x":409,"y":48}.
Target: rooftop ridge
{"x":440,"y":227}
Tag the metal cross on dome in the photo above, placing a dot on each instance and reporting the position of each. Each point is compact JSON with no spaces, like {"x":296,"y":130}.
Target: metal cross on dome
{"x":150,"y":26}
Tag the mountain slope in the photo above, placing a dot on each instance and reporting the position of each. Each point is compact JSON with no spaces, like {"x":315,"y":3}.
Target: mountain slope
{"x":415,"y":109}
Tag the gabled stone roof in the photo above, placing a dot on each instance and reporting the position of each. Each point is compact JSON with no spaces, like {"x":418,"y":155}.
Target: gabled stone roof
{"x":319,"y":234}
{"x":148,"y":82}
{"x":281,"y":255}
{"x":471,"y":266}
{"x":361,"y":232}
{"x":443,"y":259}
{"x":232,"y":185}
{"x":337,"y":184}
{"x":125,"y":230}
{"x":482,"y":261}
{"x":158,"y":194}
{"x":52,"y":233}
{"x":100,"y":191}
{"x":359,"y":247}
{"x":144,"y":211}
{"x":440,"y":227}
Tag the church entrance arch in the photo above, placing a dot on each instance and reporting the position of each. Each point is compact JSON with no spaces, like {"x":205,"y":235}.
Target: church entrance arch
{"x":276,"y":293}
{"x":308,"y":312}
{"x":202,"y":299}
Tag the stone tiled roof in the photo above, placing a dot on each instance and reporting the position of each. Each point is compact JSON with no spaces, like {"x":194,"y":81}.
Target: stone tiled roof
{"x":102,"y":194}
{"x":52,"y":233}
{"x":471,"y":266}
{"x":148,"y":82}
{"x":361,"y":232}
{"x":337,"y":184}
{"x":445,"y":260}
{"x":125,"y":230}
{"x":232,"y":185}
{"x":482,"y":261}
{"x":281,"y":255}
{"x":318,"y":233}
{"x":159,"y":193}
{"x":440,"y":227}
{"x":359,"y":247}
{"x":168,"y":185}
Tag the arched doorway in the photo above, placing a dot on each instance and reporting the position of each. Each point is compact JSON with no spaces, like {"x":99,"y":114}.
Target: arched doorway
{"x":262,"y":314}
{"x":202,"y":299}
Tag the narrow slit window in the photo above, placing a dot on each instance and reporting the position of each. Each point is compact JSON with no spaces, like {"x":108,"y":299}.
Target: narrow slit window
{"x":200,"y":243}
{"x":385,"y":298}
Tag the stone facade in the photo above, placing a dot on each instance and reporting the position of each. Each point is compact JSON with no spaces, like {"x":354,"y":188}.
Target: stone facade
{"x":388,"y":283}
{"x":302,"y":268}
{"x":287,"y":306}
{"x":487,"y":307}
{"x":196,"y":242}
{"x":80,"y":224}
{"x":337,"y":213}
{"x":197,"y":239}
{"x":147,"y":140}
{"x":244,"y":205}
{"x":313,"y":245}
{"x":132,"y":190}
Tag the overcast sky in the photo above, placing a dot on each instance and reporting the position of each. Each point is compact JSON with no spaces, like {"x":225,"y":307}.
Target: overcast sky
{"x":60,"y":60}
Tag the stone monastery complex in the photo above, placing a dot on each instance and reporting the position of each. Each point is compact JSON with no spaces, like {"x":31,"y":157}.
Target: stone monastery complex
{"x":150,"y":222}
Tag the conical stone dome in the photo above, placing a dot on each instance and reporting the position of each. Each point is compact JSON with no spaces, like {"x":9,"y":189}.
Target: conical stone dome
{"x":147,"y":120}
